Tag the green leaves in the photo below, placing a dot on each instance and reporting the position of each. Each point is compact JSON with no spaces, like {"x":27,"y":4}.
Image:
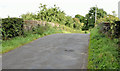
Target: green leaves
{"x":11,"y":27}
{"x":114,"y":27}
{"x":52,"y":14}
{"x":91,"y":17}
{"x":103,"y":52}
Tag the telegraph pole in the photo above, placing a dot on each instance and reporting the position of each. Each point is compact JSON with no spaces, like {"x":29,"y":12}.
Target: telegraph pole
{"x":119,"y":9}
{"x":95,"y":14}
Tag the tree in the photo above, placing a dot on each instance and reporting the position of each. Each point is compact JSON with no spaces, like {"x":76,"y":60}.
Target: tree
{"x":80,"y":17}
{"x":91,"y":16}
{"x":29,"y":16}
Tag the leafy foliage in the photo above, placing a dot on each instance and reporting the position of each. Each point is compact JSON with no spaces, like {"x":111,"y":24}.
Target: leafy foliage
{"x":12,"y":27}
{"x":91,"y":15}
{"x":77,"y":25}
{"x":107,"y":18}
{"x":81,"y":18}
{"x":29,"y":16}
{"x":89,"y":19}
{"x":53,"y":14}
{"x":113,"y":27}
{"x":40,"y":29}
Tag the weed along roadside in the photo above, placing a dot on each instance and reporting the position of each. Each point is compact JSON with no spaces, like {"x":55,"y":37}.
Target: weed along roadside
{"x":104,"y":44}
{"x":103,"y":51}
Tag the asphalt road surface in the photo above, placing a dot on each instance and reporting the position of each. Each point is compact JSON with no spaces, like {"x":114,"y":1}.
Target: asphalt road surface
{"x":57,"y":51}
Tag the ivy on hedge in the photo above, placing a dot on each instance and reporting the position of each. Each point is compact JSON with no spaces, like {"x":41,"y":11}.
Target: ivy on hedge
{"x":12,"y":27}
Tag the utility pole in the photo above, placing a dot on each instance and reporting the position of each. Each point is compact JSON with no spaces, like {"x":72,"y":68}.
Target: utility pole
{"x":95,"y":14}
{"x":119,"y":9}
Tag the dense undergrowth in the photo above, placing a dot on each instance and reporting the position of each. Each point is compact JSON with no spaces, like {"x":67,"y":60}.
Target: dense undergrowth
{"x":103,"y":52}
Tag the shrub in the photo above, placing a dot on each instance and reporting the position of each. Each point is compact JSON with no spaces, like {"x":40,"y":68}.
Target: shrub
{"x":12,"y":27}
{"x":108,"y":18}
{"x":40,"y":29}
{"x":109,"y":26}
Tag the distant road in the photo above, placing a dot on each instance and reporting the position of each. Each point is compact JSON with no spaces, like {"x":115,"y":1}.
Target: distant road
{"x":57,"y":51}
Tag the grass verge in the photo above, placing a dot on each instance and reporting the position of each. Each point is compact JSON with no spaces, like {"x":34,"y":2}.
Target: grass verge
{"x":103,"y":52}
{"x":9,"y":45}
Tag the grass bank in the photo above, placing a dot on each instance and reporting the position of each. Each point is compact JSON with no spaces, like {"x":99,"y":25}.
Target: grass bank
{"x":8,"y":45}
{"x":11,"y":44}
{"x":103,"y":52}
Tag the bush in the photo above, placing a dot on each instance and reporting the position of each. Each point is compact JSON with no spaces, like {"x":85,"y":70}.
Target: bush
{"x":12,"y":27}
{"x":109,"y":26}
{"x":41,"y":29}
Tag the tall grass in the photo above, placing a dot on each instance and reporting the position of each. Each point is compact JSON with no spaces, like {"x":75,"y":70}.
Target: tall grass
{"x":103,"y":52}
{"x":11,"y":44}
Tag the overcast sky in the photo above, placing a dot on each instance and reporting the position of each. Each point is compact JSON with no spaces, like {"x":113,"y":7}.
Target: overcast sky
{"x":14,"y":8}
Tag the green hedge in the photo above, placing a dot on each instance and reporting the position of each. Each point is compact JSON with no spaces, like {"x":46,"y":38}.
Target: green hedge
{"x":12,"y":27}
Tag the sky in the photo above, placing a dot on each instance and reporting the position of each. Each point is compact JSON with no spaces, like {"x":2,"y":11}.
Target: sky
{"x":15,"y":8}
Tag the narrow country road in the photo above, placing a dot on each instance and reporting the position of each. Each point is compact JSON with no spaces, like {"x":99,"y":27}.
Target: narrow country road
{"x":57,"y":51}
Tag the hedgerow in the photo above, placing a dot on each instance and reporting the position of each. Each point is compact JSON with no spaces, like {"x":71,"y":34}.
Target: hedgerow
{"x":12,"y":27}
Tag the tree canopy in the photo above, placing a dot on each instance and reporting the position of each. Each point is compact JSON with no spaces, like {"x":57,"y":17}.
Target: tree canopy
{"x":90,"y":17}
